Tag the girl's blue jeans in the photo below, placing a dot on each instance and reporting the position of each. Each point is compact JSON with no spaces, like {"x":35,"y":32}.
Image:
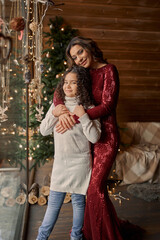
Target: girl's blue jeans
{"x":54,"y":205}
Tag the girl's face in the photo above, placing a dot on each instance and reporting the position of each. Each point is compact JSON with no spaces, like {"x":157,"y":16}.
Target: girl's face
{"x":81,"y":56}
{"x":70,"y":85}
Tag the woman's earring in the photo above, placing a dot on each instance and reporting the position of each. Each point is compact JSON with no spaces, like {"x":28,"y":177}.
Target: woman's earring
{"x":94,"y":59}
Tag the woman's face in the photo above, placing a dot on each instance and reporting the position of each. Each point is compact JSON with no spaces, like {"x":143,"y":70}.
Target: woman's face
{"x":70,"y":85}
{"x":81,"y":56}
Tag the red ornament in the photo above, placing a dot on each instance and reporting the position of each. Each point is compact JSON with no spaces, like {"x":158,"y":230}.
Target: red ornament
{"x":17,"y":24}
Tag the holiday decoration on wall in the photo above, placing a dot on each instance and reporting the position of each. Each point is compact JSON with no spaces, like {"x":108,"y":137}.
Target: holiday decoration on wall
{"x":37,"y":12}
{"x":29,"y":78}
{"x":23,"y":66}
{"x":41,"y":148}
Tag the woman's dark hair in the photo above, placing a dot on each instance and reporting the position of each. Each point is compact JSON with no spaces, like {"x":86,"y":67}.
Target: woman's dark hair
{"x":84,"y":86}
{"x":89,"y":45}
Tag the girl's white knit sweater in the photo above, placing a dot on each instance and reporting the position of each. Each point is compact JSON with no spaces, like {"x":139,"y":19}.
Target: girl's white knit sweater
{"x":72,"y":160}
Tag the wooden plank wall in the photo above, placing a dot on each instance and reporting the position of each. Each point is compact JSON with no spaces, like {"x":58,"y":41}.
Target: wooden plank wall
{"x":128,"y":32}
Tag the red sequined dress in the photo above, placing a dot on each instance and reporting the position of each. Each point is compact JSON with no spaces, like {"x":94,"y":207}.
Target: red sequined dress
{"x":101,"y":221}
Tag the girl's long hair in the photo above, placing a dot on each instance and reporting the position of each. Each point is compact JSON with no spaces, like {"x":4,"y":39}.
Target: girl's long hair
{"x":89,"y":45}
{"x":84,"y":86}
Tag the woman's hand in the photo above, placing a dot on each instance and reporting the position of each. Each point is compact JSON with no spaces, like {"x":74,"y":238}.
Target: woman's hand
{"x":66,"y":121}
{"x":79,"y":111}
{"x":59,"y":110}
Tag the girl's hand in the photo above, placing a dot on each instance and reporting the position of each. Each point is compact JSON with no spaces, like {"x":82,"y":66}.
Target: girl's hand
{"x":59,"y":110}
{"x":79,"y":111}
{"x":66,"y":121}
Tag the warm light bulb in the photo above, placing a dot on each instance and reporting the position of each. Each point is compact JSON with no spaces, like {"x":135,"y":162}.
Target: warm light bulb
{"x":47,"y":55}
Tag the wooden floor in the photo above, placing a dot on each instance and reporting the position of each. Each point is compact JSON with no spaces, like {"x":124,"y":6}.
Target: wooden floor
{"x":137,"y":211}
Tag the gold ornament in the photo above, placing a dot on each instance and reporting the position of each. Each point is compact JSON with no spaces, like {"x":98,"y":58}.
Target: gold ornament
{"x":33,"y":26}
{"x":39,"y":89}
{"x":3,"y":116}
{"x":39,"y":114}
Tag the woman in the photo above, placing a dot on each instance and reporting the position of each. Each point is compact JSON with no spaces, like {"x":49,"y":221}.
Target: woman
{"x":100,"y":222}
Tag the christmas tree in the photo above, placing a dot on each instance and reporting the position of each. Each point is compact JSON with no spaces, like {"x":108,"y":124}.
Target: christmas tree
{"x":54,"y":64}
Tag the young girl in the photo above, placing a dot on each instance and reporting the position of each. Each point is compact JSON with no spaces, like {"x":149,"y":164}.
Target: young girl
{"x":72,"y":160}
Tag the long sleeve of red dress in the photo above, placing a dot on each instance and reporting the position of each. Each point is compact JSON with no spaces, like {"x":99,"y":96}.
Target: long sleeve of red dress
{"x":105,"y":85}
